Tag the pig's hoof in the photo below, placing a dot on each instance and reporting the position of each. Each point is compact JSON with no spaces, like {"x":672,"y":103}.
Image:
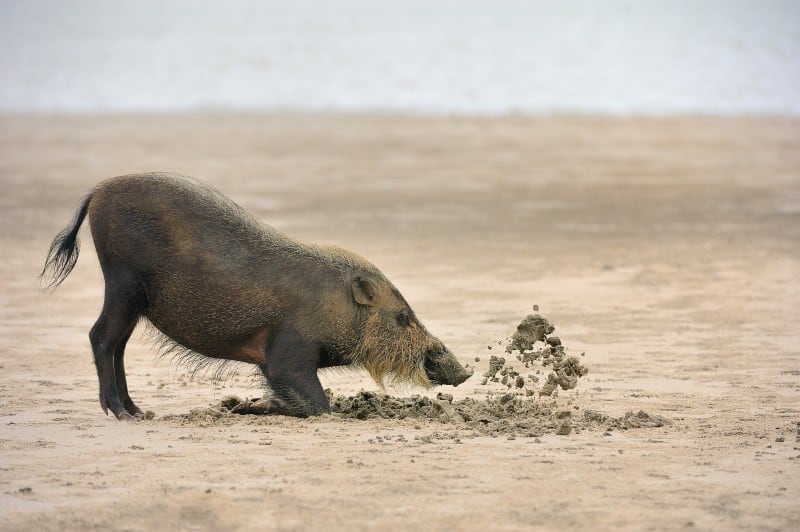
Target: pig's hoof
{"x":260,"y":407}
{"x":125,"y":416}
{"x":266,"y":406}
{"x":132,"y":409}
{"x":116,"y":407}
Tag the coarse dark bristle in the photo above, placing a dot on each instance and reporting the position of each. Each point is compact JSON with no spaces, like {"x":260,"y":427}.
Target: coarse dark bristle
{"x":197,"y":365}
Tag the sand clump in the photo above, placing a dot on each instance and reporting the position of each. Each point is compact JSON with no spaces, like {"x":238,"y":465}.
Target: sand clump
{"x":534,"y":328}
{"x":520,"y":402}
{"x":534,"y":346}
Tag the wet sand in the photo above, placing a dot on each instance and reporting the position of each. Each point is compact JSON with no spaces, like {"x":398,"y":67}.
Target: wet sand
{"x":667,"y":250}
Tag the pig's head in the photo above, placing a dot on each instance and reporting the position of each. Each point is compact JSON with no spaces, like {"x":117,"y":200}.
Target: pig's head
{"x":394,"y":343}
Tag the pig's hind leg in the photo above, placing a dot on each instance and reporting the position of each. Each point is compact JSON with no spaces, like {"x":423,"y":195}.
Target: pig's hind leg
{"x":123,"y":305}
{"x":119,"y":373}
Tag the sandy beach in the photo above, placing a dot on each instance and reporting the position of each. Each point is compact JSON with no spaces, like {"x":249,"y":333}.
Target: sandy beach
{"x":665,"y":249}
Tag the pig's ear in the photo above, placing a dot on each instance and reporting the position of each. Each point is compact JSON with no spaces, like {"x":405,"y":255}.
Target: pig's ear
{"x":364,"y":291}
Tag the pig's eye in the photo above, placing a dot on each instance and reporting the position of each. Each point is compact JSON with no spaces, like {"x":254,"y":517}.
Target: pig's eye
{"x":403,"y":320}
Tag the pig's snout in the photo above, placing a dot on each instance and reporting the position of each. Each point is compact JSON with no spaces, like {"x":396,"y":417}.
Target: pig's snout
{"x":442,"y":367}
{"x":465,"y":374}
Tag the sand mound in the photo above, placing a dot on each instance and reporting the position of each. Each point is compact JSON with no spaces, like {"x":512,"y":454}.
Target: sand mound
{"x":510,"y":408}
{"x":503,"y":414}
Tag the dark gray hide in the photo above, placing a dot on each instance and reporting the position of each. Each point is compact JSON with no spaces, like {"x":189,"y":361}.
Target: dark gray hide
{"x":218,"y":283}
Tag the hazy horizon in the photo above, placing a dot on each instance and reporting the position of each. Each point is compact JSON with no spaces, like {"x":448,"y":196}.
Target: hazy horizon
{"x":656,"y":57}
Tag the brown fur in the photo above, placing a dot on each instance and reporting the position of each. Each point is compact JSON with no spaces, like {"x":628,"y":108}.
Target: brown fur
{"x":383,"y":354}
